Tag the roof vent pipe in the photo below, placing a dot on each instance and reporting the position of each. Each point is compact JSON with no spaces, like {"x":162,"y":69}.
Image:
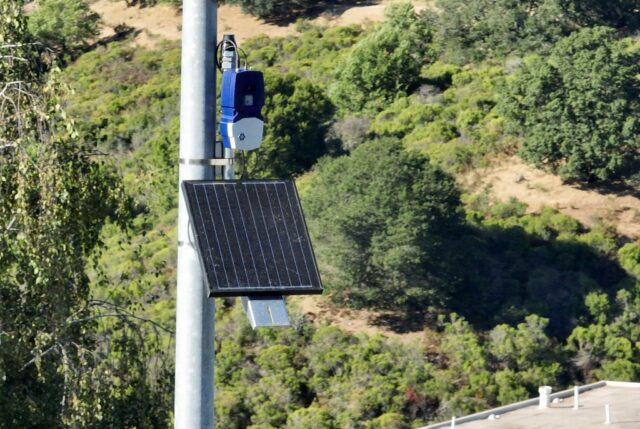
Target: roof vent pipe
{"x":545,"y":392}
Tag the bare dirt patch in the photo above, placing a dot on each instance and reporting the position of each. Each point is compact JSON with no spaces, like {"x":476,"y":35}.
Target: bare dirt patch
{"x":322,"y":312}
{"x":362,"y":14}
{"x":514,"y":178}
{"x":163,"y":22}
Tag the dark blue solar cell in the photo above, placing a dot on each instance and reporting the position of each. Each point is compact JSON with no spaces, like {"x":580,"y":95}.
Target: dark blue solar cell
{"x":252,"y":238}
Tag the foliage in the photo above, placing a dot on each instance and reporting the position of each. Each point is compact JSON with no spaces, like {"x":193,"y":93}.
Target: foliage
{"x":620,"y":14}
{"x":478,"y":29}
{"x":312,"y":54}
{"x":580,"y":124}
{"x":64,"y":25}
{"x":452,"y":118}
{"x":279,"y":10}
{"x":109,"y":106}
{"x":148,"y":3}
{"x":507,"y":367}
{"x":328,"y":378}
{"x":67,"y":360}
{"x":388,"y":228}
{"x":123,"y":95}
{"x":518,"y":264}
{"x":296,"y":114}
{"x":386,"y":63}
{"x":322,"y":378}
{"x":381,"y":219}
{"x":607,"y":348}
{"x":629,"y":256}
{"x":475,"y":30}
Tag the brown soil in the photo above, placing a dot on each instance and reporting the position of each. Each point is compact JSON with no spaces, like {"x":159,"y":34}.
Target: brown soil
{"x":514,"y":178}
{"x":163,"y":22}
{"x":321,"y":311}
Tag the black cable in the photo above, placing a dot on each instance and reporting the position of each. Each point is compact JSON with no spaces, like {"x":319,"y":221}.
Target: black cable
{"x":243,"y":165}
{"x":219,"y":57}
{"x":239,"y":50}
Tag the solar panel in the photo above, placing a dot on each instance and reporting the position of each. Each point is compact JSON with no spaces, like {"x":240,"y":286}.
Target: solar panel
{"x":252,"y":238}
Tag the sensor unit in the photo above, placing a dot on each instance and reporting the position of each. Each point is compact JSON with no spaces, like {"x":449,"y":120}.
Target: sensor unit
{"x":242,"y":98}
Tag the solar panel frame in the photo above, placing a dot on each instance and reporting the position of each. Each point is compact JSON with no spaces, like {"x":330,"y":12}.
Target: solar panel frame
{"x":216,"y":219}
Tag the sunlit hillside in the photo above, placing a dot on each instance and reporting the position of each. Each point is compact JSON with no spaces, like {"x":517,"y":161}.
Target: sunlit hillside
{"x":468,"y":172}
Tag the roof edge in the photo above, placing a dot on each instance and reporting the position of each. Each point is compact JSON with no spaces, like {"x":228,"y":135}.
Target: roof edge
{"x":530,"y":402}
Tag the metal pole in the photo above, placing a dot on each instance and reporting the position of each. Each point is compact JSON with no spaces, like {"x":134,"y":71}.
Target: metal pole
{"x":195,"y":311}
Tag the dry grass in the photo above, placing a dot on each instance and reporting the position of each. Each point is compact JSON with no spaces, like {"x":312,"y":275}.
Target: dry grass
{"x":513,"y":178}
{"x":163,"y":22}
{"x":321,"y":311}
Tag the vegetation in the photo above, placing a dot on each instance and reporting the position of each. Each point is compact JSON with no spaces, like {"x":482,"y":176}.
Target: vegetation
{"x":479,"y":29}
{"x":374,"y":122}
{"x":65,"y":26}
{"x":63,"y":351}
{"x":386,"y":63}
{"x":278,"y":10}
{"x":383,"y":219}
{"x":296,"y":114}
{"x":580,"y":124}
{"x":474,"y":30}
{"x":452,"y":117}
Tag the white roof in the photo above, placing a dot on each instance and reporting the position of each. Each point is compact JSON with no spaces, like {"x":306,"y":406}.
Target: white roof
{"x":622,"y":397}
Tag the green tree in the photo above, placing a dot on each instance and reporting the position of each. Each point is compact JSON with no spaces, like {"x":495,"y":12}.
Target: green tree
{"x":463,"y":384}
{"x":64,"y":25}
{"x":386,"y":64}
{"x":281,"y":10}
{"x":472,"y":30}
{"x":526,"y":358}
{"x":381,"y":219}
{"x":66,"y":360}
{"x":621,"y":14}
{"x":607,"y":348}
{"x":297,"y":113}
{"x":629,"y":256}
{"x":278,"y":392}
{"x":312,"y":417}
{"x":579,"y":109}
{"x":389,"y":421}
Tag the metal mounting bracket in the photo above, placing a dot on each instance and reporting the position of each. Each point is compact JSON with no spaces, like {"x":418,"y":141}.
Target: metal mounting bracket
{"x":265,"y":311}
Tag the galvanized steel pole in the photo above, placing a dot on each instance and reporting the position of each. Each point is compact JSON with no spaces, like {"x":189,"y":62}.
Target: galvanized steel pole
{"x":195,"y":312}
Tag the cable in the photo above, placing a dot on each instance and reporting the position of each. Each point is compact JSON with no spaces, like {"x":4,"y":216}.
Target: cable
{"x":243,"y":165}
{"x":238,"y":51}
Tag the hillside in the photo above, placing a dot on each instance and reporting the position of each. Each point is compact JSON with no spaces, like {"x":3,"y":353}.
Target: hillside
{"x":504,"y":179}
{"x":457,"y":276}
{"x":163,"y":22}
{"x":512,"y":178}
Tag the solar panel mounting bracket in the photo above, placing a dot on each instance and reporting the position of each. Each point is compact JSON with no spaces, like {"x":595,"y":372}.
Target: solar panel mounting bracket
{"x":267,"y":311}
{"x":207,"y":162}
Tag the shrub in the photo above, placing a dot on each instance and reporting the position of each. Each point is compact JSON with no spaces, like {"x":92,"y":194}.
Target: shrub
{"x":579,"y":109}
{"x":380,"y":219}
{"x":384,"y":65}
